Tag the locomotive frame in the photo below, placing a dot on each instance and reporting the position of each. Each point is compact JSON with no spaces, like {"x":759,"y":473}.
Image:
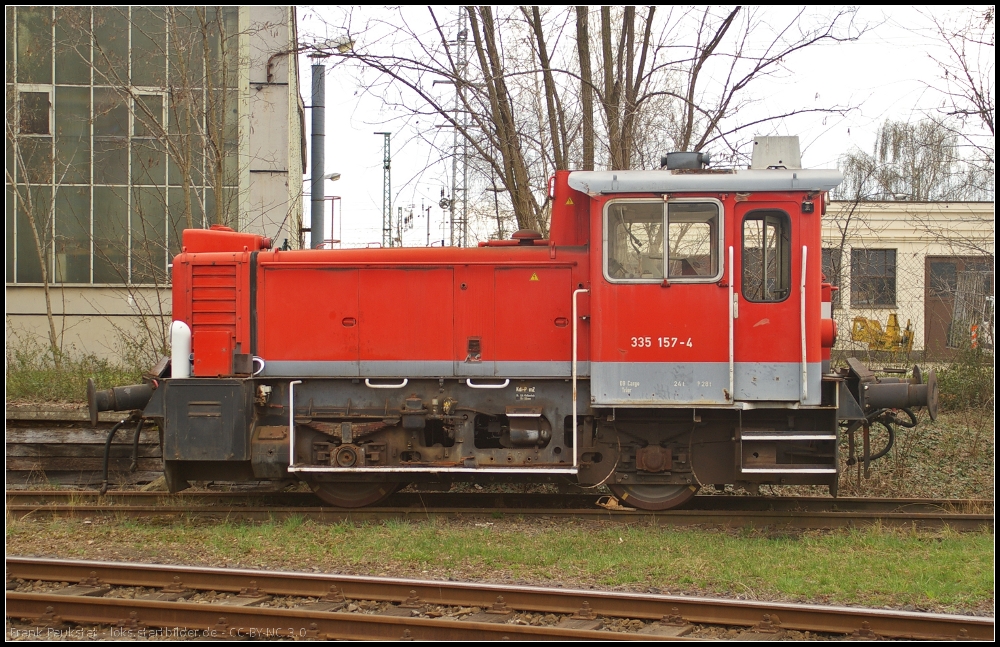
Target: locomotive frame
{"x":673,"y":331}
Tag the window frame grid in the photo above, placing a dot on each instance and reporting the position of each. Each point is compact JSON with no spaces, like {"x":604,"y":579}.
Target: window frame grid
{"x":857,"y":280}
{"x":200,"y":131}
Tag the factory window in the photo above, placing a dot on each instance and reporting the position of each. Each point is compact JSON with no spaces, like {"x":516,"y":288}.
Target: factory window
{"x":635,"y":241}
{"x":34,"y":44}
{"x":873,"y":277}
{"x":767,"y":256}
{"x":34,"y":113}
{"x":125,"y":131}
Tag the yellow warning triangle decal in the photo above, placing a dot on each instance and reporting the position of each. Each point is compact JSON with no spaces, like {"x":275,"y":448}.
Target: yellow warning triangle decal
{"x":569,"y":201}
{"x":534,"y":277}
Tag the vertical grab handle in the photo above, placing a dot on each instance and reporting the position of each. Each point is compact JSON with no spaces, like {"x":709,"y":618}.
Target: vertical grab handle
{"x":291,"y":423}
{"x":802,"y":320}
{"x":732,"y":316}
{"x":576,"y":323}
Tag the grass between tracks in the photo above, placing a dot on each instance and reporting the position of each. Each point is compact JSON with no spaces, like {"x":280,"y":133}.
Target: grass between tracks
{"x":941,"y":571}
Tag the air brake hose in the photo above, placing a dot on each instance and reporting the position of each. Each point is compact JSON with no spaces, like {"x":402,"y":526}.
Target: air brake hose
{"x":135,"y":447}
{"x":889,"y":443}
{"x":881,"y":416}
{"x":913,"y":419}
{"x":107,"y":450}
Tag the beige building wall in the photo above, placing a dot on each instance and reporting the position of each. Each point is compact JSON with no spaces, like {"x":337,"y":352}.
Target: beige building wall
{"x":272,"y":159}
{"x":114,"y":321}
{"x":109,"y":322}
{"x":916,"y":231}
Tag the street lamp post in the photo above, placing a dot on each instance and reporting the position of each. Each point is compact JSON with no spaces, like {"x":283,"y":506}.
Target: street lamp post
{"x":317,"y":196}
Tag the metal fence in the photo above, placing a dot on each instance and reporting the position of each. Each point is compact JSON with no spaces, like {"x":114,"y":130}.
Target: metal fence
{"x":903,"y":300}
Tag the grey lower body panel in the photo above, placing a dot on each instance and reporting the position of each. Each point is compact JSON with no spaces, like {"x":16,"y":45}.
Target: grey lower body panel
{"x":701,"y":383}
{"x":767,"y":381}
{"x":422,"y":369}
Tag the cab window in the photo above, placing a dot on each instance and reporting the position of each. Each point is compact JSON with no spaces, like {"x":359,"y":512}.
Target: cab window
{"x":635,"y":240}
{"x":693,"y":240}
{"x":766,"y":259}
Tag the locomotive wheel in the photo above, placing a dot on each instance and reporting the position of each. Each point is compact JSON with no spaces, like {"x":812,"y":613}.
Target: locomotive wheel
{"x":654,"y":497}
{"x":353,"y":495}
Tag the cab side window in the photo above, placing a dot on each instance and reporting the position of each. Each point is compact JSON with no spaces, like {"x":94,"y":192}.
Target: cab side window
{"x":693,"y":235}
{"x":635,"y":240}
{"x":767,"y":262}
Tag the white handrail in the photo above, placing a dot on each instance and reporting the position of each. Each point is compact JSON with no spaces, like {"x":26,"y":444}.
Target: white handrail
{"x":802,"y":318}
{"x":291,"y":423}
{"x":502,"y":385}
{"x":576,"y":322}
{"x":732,"y":316}
{"x":369,"y":384}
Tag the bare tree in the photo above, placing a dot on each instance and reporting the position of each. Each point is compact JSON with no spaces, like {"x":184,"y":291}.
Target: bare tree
{"x":503,"y":127}
{"x":498,"y":125}
{"x":586,"y":85}
{"x":675,"y":79}
{"x":36,"y":205}
{"x":968,"y":85}
{"x":914,"y":161}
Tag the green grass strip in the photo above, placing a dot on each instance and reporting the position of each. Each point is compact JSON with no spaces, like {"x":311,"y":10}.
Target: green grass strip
{"x":941,"y":570}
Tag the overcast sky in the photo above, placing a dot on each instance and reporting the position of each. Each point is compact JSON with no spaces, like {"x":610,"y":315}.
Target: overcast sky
{"x":884,"y":75}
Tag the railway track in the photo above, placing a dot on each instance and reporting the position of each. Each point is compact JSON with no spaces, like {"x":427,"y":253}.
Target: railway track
{"x":54,"y":445}
{"x":179,"y":601}
{"x":731,"y":511}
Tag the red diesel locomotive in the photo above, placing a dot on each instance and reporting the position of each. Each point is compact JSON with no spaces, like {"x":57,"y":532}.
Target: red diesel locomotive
{"x":672,"y":332}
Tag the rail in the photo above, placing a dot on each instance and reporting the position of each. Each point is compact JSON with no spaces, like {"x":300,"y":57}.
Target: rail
{"x":425,"y":609}
{"x":718,"y":511}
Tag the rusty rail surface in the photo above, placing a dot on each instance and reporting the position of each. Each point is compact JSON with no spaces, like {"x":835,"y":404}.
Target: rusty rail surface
{"x":729,"y":511}
{"x":219,"y":621}
{"x":238,"y":496}
{"x":87,"y":607}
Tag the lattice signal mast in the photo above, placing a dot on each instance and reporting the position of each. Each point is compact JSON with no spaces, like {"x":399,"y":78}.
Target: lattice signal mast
{"x":460,"y":143}
{"x":386,"y":191}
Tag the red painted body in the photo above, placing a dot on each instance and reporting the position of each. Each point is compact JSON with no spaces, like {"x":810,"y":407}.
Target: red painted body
{"x":515,"y":299}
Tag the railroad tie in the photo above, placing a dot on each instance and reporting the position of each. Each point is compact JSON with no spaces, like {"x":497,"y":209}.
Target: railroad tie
{"x":585,"y":618}
{"x":768,"y":629}
{"x":497,"y":613}
{"x":670,"y":625}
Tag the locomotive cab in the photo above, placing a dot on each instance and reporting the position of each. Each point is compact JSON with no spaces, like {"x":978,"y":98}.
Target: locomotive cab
{"x":673,"y":331}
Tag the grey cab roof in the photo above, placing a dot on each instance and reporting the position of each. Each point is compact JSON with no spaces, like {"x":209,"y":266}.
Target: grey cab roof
{"x":682,"y":180}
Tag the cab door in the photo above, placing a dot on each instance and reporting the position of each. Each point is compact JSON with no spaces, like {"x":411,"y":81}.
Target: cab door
{"x":660,"y":317}
{"x":768,"y":311}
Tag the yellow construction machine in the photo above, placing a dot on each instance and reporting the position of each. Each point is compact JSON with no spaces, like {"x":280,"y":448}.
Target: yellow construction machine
{"x":893,"y":338}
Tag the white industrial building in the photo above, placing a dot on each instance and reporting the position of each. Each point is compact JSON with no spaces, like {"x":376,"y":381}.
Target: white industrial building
{"x":126,"y":125}
{"x":929,"y":263}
